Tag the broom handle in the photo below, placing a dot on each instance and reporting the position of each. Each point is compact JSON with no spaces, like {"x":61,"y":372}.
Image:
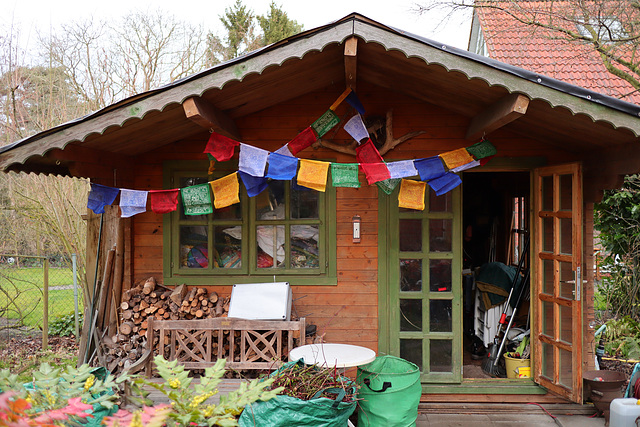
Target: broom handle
{"x":504,"y":339}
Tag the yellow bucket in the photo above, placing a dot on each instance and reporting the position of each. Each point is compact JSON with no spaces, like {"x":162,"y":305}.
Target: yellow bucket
{"x":516,"y":367}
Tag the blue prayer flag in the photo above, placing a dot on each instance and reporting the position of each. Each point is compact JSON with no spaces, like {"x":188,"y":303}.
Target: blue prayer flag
{"x":445,"y":183}
{"x":282,"y":167}
{"x":254,"y":184}
{"x":100,"y":196}
{"x":353,"y":100}
{"x":429,"y":168}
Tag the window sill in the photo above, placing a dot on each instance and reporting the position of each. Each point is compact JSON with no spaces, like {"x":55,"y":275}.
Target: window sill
{"x":232,"y":280}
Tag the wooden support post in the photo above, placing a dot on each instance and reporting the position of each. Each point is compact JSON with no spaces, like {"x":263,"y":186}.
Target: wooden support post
{"x":351,"y":62}
{"x":502,"y":112}
{"x":209,"y":117}
{"x":45,"y":303}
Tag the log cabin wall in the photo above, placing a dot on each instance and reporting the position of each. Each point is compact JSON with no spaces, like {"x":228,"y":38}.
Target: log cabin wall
{"x":347,"y":312}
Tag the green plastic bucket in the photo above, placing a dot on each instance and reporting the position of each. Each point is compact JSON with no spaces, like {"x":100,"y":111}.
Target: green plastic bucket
{"x":390,"y":392}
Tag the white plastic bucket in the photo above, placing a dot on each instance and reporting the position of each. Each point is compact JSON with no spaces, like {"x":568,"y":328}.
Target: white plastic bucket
{"x":624,"y":412}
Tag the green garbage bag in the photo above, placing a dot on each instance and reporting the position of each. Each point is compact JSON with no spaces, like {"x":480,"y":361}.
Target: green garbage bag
{"x":389,"y":393}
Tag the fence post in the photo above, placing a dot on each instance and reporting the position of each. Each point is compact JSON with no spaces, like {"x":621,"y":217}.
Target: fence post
{"x":45,"y":303}
{"x":74,"y":261}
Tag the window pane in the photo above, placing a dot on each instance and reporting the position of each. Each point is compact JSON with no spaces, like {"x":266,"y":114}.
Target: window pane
{"x":547,"y":234}
{"x":226,"y":241}
{"x":305,"y":204}
{"x":304,"y":246}
{"x":230,"y":212}
{"x":566,"y":191}
{"x":440,"y":315}
{"x":547,"y":361}
{"x":566,"y":324}
{"x":270,"y":204}
{"x":410,"y":275}
{"x":411,"y":315}
{"x":441,"y":355}
{"x":410,"y":235}
{"x":411,"y":350}
{"x":547,"y":193}
{"x":548,"y":278}
{"x":566,"y":236}
{"x":567,"y":280}
{"x":440,"y":235}
{"x":566,"y":370}
{"x":442,"y":203}
{"x":440,"y":275}
{"x":270,"y":242}
{"x":194,"y":247}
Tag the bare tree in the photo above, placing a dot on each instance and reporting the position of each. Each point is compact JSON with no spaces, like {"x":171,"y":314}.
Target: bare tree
{"x":610,"y":28}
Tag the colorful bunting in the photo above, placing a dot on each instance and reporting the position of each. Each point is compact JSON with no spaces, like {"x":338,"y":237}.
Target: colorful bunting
{"x":196,"y":199}
{"x":101,"y":196}
{"x":353,"y":100}
{"x":411,"y":194}
{"x":429,"y":168}
{"x":456,"y":158}
{"x":402,"y":169}
{"x":485,"y":160}
{"x":163,"y":201}
{"x":371,"y":162}
{"x":132,"y":202}
{"x":284,"y":150}
{"x":445,"y":183}
{"x":345,"y":175}
{"x":254,"y":184}
{"x":356,"y":128}
{"x":341,"y":98}
{"x":253,"y":160}
{"x":226,"y":191}
{"x":375,"y":172}
{"x":388,"y":185}
{"x":482,"y":149}
{"x":221,"y":147}
{"x":282,"y":167}
{"x":368,"y":153}
{"x":324,"y":124}
{"x":303,"y":140}
{"x":313,"y":174}
{"x":469,"y":165}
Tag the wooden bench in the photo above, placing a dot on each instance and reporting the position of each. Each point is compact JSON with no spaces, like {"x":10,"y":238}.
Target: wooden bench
{"x":198,"y":343}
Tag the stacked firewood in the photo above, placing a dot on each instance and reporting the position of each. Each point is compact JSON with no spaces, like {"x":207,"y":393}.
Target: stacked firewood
{"x":151,"y":299}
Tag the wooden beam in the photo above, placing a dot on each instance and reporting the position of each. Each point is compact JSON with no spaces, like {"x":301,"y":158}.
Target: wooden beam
{"x":350,"y":62}
{"x":209,"y":117}
{"x":504,"y":111}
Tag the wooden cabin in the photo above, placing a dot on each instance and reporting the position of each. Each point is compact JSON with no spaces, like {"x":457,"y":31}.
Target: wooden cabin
{"x":398,"y":287}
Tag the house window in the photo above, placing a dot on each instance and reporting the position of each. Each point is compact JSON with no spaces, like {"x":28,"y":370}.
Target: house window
{"x":286,"y":230}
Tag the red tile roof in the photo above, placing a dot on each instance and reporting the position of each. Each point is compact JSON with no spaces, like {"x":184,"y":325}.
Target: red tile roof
{"x":537,"y":50}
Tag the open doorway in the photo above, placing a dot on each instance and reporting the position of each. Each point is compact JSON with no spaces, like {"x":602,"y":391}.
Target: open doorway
{"x":496,"y":227}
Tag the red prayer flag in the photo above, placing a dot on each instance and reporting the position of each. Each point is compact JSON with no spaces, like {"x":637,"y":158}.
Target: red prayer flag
{"x":302,"y":141}
{"x":485,"y":160}
{"x":221,"y":147}
{"x":371,"y":163}
{"x":163,"y":201}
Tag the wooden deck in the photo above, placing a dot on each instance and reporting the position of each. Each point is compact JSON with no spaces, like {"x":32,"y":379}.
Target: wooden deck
{"x":226,"y":385}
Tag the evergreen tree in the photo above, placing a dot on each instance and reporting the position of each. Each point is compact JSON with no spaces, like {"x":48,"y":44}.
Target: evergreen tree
{"x":276,"y":25}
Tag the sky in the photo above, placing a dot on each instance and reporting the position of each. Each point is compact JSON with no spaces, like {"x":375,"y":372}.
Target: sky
{"x":34,"y":16}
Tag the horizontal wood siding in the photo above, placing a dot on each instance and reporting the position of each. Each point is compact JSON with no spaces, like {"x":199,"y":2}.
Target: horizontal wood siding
{"x":347,"y":312}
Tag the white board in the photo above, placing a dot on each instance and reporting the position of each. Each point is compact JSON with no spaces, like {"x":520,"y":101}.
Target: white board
{"x":261,"y":301}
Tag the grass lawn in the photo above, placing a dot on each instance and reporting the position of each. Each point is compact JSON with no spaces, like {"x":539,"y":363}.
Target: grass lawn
{"x":21,"y":294}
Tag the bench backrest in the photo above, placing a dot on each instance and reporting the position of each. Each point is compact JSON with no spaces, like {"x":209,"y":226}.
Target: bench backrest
{"x":246,"y":344}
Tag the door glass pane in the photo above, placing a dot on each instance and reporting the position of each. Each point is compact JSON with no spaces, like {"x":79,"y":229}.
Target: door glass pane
{"x":305,"y":204}
{"x":440,"y":355}
{"x":304,"y":246}
{"x":547,"y":276}
{"x":566,"y":236}
{"x":410,"y":235}
{"x":440,"y":235}
{"x":270,"y":243}
{"x":547,"y":361}
{"x":566,"y":326}
{"x":440,"y":315}
{"x":411,"y":350}
{"x":410,"y":275}
{"x":566,"y":377}
{"x":442,"y":203}
{"x":547,"y":193}
{"x":566,"y":192}
{"x":547,"y":234}
{"x":230,"y":212}
{"x":547,"y":319}
{"x":567,"y":284}
{"x":410,"y":315}
{"x":194,"y":247}
{"x":227,"y":242}
{"x":440,"y":275}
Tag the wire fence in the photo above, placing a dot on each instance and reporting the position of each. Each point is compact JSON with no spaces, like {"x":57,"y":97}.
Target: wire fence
{"x":39,"y":294}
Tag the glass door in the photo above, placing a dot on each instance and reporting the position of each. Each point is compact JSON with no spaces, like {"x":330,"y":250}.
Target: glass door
{"x":424,"y":266}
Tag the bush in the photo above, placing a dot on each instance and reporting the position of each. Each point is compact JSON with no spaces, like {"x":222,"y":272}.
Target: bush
{"x":64,"y":326}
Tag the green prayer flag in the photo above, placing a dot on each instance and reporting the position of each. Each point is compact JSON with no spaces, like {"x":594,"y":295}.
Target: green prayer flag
{"x":482,"y":149}
{"x":196,"y":199}
{"x":325,"y":123}
{"x":345,"y":175}
{"x":388,"y":185}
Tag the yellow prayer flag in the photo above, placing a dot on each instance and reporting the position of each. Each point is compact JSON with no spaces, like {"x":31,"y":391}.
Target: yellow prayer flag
{"x":340,"y":99}
{"x":456,"y":158}
{"x":226,"y":191}
{"x":411,"y":194}
{"x":313,"y":174}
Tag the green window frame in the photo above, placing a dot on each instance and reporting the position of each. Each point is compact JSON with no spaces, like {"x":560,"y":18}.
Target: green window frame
{"x":227,"y":246}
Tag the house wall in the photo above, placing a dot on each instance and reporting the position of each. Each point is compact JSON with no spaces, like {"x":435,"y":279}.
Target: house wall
{"x":347,"y":312}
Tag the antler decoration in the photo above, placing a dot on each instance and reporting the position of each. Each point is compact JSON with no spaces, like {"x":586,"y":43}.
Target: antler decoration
{"x":389,"y":142}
